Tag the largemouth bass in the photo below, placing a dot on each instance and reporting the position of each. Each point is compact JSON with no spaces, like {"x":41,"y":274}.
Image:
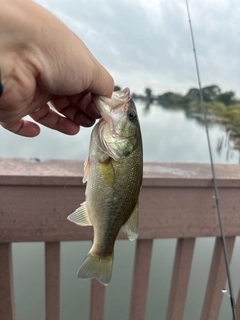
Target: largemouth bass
{"x":113,"y":171}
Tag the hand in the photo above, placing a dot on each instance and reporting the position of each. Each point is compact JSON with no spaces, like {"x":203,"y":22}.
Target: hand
{"x":43,"y":61}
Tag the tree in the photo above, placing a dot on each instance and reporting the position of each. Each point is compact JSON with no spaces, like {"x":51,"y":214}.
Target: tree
{"x":116,"y":88}
{"x":134,"y":96}
{"x":210,"y":93}
{"x":167,"y":96}
{"x":193,"y":94}
{"x":226,"y":97}
{"x":148,"y":92}
{"x":170,"y":98}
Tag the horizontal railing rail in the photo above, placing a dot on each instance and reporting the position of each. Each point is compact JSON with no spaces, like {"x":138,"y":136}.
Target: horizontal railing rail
{"x":176,"y":201}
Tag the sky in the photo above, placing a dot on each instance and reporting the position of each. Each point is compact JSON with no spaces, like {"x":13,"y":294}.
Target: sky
{"x":147,"y":43}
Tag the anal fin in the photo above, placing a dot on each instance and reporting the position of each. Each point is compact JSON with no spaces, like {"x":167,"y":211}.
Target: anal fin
{"x":130,"y":228}
{"x":80,"y":216}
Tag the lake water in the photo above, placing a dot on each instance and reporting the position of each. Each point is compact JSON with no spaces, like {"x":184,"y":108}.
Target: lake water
{"x":168,"y":136}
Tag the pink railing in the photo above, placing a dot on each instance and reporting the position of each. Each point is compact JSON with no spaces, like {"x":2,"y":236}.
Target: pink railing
{"x":176,"y":202}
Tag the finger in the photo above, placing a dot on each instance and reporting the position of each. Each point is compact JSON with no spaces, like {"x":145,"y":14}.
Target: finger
{"x":49,"y":118}
{"x":83,"y":120}
{"x":23,"y":128}
{"x":86,"y":105}
{"x":78,"y":117}
{"x":102,"y":82}
{"x":70,"y":106}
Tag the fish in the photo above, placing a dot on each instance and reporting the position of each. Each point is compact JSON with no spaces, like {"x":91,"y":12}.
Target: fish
{"x":113,"y":171}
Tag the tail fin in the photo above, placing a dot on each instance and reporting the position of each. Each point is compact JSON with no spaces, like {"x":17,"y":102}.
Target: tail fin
{"x":96,"y":267}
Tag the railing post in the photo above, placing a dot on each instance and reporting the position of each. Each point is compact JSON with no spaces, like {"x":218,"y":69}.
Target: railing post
{"x":52,"y":280}
{"x":238,"y":305}
{"x":217,"y":279}
{"x":7,"y":306}
{"x":97,"y":300}
{"x":180,"y":278}
{"x":141,"y":272}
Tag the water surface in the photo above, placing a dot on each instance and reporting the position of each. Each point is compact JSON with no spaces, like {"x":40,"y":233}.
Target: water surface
{"x":168,"y":136}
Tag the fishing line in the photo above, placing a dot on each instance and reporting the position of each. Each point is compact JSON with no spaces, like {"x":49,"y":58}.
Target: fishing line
{"x":231,"y":296}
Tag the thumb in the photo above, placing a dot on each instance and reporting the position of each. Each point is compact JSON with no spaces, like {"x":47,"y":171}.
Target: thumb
{"x":102,"y":82}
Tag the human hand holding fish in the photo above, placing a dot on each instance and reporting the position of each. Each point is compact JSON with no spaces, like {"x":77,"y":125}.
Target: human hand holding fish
{"x":113,"y":172}
{"x":43,"y":61}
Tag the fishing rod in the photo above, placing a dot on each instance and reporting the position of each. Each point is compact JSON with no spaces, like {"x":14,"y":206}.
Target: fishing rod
{"x":217,"y":199}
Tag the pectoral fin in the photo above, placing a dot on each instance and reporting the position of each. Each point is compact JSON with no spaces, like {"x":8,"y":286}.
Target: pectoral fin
{"x":130,"y":228}
{"x":86,"y":170}
{"x":80,"y":216}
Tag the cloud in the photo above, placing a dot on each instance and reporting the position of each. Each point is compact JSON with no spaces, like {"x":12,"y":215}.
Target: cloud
{"x":147,"y":42}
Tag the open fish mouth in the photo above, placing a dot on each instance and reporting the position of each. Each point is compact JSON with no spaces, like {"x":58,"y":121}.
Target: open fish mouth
{"x":121,"y":94}
{"x":116,"y":103}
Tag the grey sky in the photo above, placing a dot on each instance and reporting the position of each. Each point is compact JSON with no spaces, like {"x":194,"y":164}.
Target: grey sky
{"x":146,"y":43}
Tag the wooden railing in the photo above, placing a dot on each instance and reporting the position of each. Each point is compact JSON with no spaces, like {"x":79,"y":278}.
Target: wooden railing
{"x":176,"y":201}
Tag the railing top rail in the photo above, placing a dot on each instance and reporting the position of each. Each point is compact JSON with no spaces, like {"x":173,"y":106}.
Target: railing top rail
{"x":176,"y":201}
{"x":70,"y":172}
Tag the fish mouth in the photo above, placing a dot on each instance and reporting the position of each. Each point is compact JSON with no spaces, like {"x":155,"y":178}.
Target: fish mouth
{"x":110,"y":107}
{"x":122,"y":94}
{"x":117,"y":103}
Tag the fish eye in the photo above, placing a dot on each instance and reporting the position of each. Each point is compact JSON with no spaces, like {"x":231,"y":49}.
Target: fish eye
{"x":132,"y":115}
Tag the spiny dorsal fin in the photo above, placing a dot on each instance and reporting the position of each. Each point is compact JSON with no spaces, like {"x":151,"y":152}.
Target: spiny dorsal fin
{"x":130,"y":228}
{"x":80,"y":216}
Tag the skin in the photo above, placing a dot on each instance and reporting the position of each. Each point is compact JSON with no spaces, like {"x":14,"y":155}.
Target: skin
{"x":41,"y":60}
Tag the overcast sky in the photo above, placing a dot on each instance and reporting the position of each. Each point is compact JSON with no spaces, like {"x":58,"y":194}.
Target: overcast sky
{"x":146,"y":43}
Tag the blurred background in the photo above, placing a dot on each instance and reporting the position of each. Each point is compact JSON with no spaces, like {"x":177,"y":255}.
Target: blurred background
{"x":146,"y":46}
